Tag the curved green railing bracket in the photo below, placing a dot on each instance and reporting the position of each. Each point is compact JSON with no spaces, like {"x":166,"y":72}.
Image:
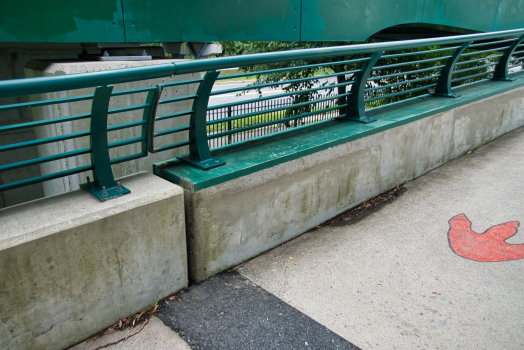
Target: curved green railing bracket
{"x":501,"y":69}
{"x":199,"y":153}
{"x":149,"y":115}
{"x":443,"y":87}
{"x":355,"y":110}
{"x":104,"y":185}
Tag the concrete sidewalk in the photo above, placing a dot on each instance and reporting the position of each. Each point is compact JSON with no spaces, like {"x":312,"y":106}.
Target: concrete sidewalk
{"x":390,"y":280}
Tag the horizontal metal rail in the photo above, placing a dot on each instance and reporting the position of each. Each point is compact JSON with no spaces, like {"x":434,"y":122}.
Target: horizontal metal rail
{"x":405,"y":82}
{"x":471,"y":77}
{"x":493,"y":42}
{"x":177,"y":99}
{"x":382,"y":77}
{"x":411,"y":63}
{"x":408,"y":70}
{"x":474,"y":68}
{"x":133,"y":91}
{"x":20,"y":145}
{"x":400,"y":93}
{"x":284,"y":82}
{"x":41,"y":160}
{"x":420,"y":53}
{"x":280,"y":70}
{"x":484,"y":51}
{"x":44,"y":122}
{"x":477,"y":60}
{"x":172,"y":131}
{"x":292,"y":93}
{"x":173,"y":115}
{"x":45,"y":102}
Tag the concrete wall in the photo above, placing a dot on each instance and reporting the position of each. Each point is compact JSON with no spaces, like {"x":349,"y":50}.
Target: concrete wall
{"x":239,"y":219}
{"x":21,"y":61}
{"x":13,"y":58}
{"x":42,"y":68}
{"x":71,"y":266}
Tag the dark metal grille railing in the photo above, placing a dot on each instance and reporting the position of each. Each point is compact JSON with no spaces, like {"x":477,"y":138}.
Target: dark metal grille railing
{"x":356,"y":80}
{"x":241,"y":122}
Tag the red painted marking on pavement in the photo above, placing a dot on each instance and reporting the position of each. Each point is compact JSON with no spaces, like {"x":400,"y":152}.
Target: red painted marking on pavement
{"x":489,"y":246}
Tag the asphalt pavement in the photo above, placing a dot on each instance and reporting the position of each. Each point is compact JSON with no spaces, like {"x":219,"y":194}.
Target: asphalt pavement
{"x":440,"y":267}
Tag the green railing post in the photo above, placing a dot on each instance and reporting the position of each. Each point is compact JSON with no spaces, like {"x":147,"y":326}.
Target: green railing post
{"x":104,"y":185}
{"x":355,"y":109}
{"x":229,"y":126}
{"x":501,"y":69}
{"x":149,"y":115}
{"x":199,"y":153}
{"x":443,"y":87}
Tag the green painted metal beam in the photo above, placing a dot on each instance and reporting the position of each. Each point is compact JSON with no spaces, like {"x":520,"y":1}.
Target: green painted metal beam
{"x":62,"y":21}
{"x":142,"y":21}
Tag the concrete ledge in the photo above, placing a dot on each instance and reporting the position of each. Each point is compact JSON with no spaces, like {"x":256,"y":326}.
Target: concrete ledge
{"x":71,"y":266}
{"x":275,"y":190}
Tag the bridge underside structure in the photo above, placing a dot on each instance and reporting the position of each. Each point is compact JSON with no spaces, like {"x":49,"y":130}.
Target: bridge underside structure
{"x":139,"y":21}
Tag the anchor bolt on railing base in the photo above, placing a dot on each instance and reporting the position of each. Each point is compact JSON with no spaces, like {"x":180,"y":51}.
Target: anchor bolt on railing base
{"x":207,"y":164}
{"x":104,"y":193}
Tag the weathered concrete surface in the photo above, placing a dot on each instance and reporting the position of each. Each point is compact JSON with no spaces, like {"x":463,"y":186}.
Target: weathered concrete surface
{"x":237,"y":220}
{"x":45,"y":68}
{"x":391,"y":281}
{"x":13,"y":59}
{"x":71,"y":266}
{"x":154,"y":336}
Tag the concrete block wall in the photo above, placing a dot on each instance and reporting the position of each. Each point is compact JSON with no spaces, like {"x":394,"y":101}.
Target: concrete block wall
{"x":13,"y":58}
{"x":20,"y":62}
{"x":71,"y":266}
{"x":234,"y":221}
{"x":44,"y":68}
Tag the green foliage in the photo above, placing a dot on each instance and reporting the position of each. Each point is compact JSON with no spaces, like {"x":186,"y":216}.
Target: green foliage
{"x":243,"y":48}
{"x":405,"y":75}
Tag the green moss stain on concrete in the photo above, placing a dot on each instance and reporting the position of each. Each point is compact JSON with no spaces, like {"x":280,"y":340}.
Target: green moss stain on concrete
{"x":216,"y":240}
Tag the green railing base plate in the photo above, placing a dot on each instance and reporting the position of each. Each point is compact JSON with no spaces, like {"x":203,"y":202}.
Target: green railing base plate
{"x":365,"y":120}
{"x":96,"y":190}
{"x":446,"y":95}
{"x":202,"y":164}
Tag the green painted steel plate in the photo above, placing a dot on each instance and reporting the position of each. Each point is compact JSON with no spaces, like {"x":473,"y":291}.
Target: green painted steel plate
{"x":61,"y":21}
{"x":510,"y":15}
{"x":147,"y":21}
{"x":355,"y":20}
{"x":465,"y":14}
{"x":211,"y":20}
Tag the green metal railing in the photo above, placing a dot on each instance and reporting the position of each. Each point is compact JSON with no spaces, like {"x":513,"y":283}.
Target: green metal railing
{"x":373,"y":75}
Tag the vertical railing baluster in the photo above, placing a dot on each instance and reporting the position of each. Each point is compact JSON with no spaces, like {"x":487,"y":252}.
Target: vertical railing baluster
{"x":104,"y":185}
{"x":150,"y":115}
{"x":501,"y":69}
{"x":199,"y":153}
{"x":355,"y":110}
{"x":229,"y":124}
{"x":443,"y":87}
